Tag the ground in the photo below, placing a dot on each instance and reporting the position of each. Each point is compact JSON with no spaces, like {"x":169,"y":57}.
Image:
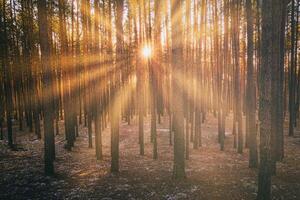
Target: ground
{"x":211,"y":174}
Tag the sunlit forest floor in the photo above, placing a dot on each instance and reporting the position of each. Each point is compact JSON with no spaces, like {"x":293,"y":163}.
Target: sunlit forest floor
{"x":211,"y":174}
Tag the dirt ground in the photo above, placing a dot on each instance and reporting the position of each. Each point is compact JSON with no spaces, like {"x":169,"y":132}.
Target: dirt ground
{"x":211,"y":174}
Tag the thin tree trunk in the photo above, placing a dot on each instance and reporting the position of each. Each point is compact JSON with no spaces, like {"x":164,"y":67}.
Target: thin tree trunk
{"x":47,"y":85}
{"x":177,"y":103}
{"x":251,"y":93}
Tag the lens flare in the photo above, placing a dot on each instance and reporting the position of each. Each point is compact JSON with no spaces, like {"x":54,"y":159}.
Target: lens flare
{"x":146,"y":51}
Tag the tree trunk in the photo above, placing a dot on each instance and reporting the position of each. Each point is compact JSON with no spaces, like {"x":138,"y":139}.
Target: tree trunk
{"x":47,"y":86}
{"x":265,"y":100}
{"x":115,"y":115}
{"x":251,"y":93}
{"x":177,"y":103}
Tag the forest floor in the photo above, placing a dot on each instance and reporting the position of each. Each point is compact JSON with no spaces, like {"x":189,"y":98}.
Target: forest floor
{"x":211,"y":174}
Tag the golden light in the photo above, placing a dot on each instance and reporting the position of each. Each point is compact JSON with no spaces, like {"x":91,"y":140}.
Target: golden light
{"x":147,"y":51}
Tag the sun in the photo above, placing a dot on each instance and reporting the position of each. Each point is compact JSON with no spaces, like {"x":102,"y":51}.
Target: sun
{"x":147,"y":51}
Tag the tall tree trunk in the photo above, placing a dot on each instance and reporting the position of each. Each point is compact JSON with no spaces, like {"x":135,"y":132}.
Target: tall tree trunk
{"x":115,"y":115}
{"x":251,"y":90}
{"x":292,"y":72}
{"x":177,"y":95}
{"x":97,"y":111}
{"x":7,"y":77}
{"x":47,"y":86}
{"x":268,"y":9}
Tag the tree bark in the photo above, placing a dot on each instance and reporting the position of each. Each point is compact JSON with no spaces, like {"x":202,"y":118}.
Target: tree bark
{"x":177,"y":95}
{"x":47,"y":87}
